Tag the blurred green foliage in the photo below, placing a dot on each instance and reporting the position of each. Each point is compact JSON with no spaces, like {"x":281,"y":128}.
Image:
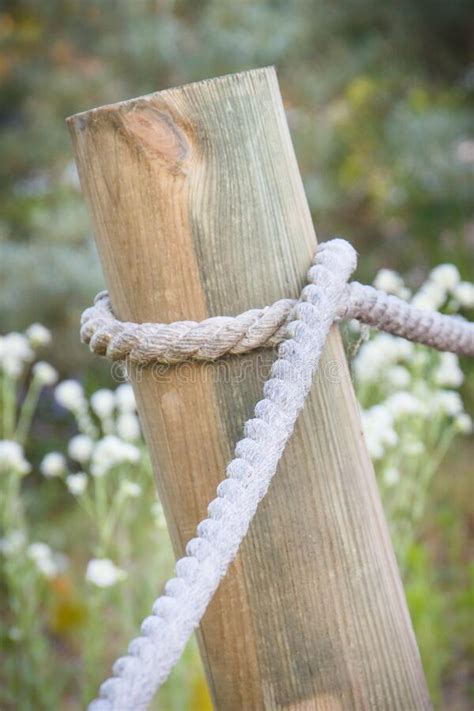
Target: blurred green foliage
{"x":378,"y":97}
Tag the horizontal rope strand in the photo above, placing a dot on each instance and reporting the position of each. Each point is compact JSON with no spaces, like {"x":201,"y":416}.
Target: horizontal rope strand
{"x":389,"y":313}
{"x":147,"y":343}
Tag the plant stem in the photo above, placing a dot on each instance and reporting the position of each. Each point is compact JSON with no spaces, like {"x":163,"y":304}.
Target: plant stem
{"x":8,"y":406}
{"x":27,"y":411}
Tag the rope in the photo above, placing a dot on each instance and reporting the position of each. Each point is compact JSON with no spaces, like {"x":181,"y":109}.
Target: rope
{"x":306,"y":325}
{"x":389,"y":313}
{"x":146,"y":343}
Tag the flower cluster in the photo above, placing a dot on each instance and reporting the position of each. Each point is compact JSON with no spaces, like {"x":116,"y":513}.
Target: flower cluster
{"x":18,"y":372}
{"x":15,"y":353}
{"x":411,"y":406}
{"x":17,"y":350}
{"x":108,"y":444}
{"x":12,"y":458}
{"x":109,"y":431}
{"x":105,"y":469}
{"x":48,"y":563}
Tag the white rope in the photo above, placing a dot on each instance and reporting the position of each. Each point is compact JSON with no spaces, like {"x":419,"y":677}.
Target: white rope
{"x":327,"y":297}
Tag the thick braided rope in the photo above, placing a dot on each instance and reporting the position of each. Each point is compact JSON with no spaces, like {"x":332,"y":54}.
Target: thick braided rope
{"x":210,"y":339}
{"x":179,"y":610}
{"x":389,"y":313}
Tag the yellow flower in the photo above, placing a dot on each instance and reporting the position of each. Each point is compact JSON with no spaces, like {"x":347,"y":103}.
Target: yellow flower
{"x":67,"y":612}
{"x":201,"y":700}
{"x":360,"y":90}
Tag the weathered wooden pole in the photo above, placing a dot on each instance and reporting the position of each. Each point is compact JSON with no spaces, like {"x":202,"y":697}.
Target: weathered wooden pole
{"x":199,"y":210}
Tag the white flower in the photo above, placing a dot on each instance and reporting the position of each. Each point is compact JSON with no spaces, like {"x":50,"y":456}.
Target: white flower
{"x":111,"y":451}
{"x":378,"y":354}
{"x":398,"y":377}
{"x":391,"y":476}
{"x":70,"y":176}
{"x":448,"y":372}
{"x":53,"y":465}
{"x":423,"y":302}
{"x":39,"y":550}
{"x":354,"y":326}
{"x":448,"y":402}
{"x":15,"y":352}
{"x":366,"y":364}
{"x":446,"y":276}
{"x":44,"y":373}
{"x":38,"y":335}
{"x":389,"y":281}
{"x":15,"y":634}
{"x":103,"y":403}
{"x":404,"y":293}
{"x":404,"y":403}
{"x":124,"y":398}
{"x":465,"y":151}
{"x":401,"y":348}
{"x":47,"y":567}
{"x":464,"y":293}
{"x":103,"y":573}
{"x":76,"y":483}
{"x":463,"y":423}
{"x":378,"y":430}
{"x":80,"y":448}
{"x":13,"y":543}
{"x":42,"y":556}
{"x":128,"y":427}
{"x":12,"y":457}
{"x":430,"y":297}
{"x":70,"y":395}
{"x":131,"y":489}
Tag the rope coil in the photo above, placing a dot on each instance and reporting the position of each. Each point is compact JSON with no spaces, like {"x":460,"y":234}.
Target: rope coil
{"x":301,"y":329}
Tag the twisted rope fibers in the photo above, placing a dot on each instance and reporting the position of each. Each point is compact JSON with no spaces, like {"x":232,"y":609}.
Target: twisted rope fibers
{"x":215,"y":337}
{"x":301,"y":331}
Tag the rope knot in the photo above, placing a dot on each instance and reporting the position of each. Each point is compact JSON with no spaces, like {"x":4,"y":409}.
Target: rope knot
{"x":214,"y":337}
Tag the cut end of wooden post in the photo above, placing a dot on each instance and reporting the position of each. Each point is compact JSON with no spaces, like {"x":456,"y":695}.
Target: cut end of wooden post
{"x":79,"y":119}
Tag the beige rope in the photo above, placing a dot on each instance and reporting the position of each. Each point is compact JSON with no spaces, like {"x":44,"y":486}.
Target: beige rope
{"x":146,"y":343}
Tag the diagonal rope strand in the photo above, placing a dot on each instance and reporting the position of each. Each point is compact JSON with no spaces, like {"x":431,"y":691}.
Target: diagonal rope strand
{"x":176,"y":614}
{"x":300,"y":328}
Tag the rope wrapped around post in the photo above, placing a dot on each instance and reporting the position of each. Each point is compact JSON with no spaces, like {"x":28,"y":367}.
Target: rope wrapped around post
{"x":146,"y":343}
{"x":301,"y":335}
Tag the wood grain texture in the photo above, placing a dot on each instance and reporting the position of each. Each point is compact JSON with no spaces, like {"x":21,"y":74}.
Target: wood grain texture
{"x":199,"y":210}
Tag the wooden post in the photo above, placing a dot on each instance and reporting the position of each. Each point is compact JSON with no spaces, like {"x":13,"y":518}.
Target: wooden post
{"x":199,"y":210}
